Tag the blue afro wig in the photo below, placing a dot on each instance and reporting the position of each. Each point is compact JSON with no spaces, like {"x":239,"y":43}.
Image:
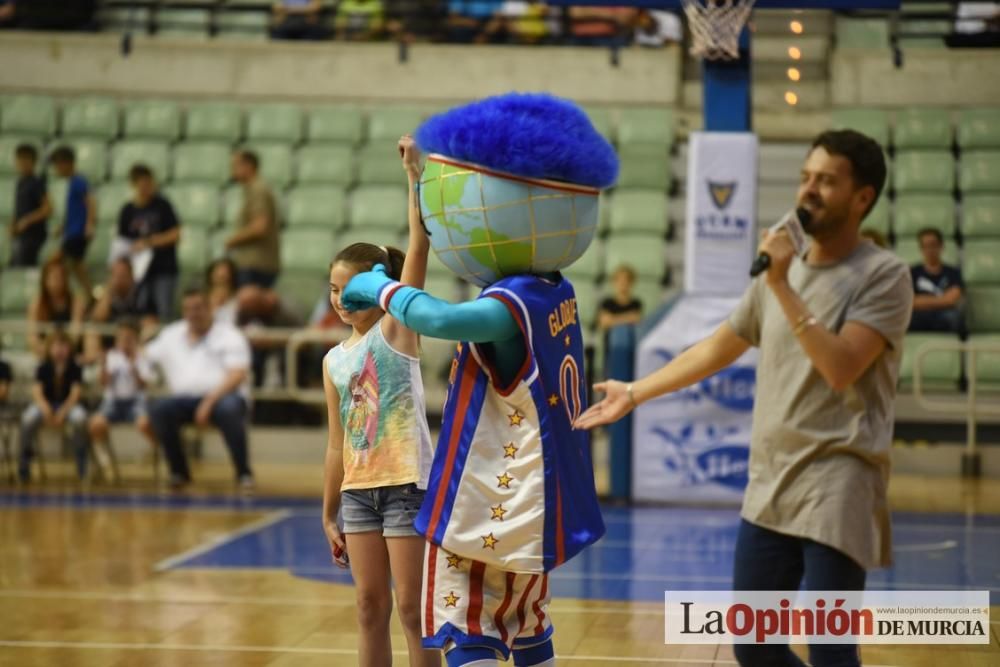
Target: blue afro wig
{"x":525,"y":134}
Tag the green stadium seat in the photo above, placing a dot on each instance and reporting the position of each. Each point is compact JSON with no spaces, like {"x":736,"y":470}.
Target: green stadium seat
{"x":878,"y":218}
{"x":922,"y":128}
{"x":8,"y":146}
{"x":217,"y":243}
{"x":184,"y":23}
{"x":99,"y":251}
{"x":981,"y":262}
{"x":90,"y":117}
{"x":380,"y":207}
{"x":232,"y":202}
{"x":983,"y":303}
{"x":645,"y":254}
{"x":981,"y":216}
{"x":275,"y":163}
{"x":153,"y":119}
{"x":380,"y":235}
{"x":32,"y":115}
{"x":378,"y":166}
{"x":651,"y":293}
{"x":57,"y":188}
{"x":987,"y":363}
{"x":979,"y":128}
{"x":588,"y":298}
{"x":330,"y":164}
{"x":338,"y":125}
{"x":387,"y":124}
{"x":213,"y":121}
{"x":858,"y":33}
{"x":602,"y":121}
{"x":274,"y":122}
{"x":644,"y":170}
{"x":202,"y":161}
{"x":111,"y":197}
{"x":307,"y":251}
{"x":924,"y":171}
{"x":588,"y":268}
{"x":316,"y":206}
{"x":8,"y":193}
{"x":646,"y":127}
{"x":939,"y":369}
{"x":639,"y":212}
{"x":192,"y":251}
{"x":979,"y":171}
{"x":17,"y":290}
{"x":196,"y":204}
{"x":247,"y":25}
{"x":153,"y":154}
{"x":908,"y":250}
{"x":871,"y":122}
{"x":914,"y":212}
{"x":91,"y":158}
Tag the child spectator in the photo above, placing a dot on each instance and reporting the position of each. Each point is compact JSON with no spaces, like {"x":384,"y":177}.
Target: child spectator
{"x":621,"y":307}
{"x":149,"y":222}
{"x":123,"y":376}
{"x":55,"y":304}
{"x":81,"y":215}
{"x":55,"y":403}
{"x":31,"y":209}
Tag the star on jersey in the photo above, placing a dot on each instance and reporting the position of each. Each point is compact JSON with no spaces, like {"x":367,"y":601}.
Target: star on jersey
{"x":489,"y":541}
{"x":451,"y":600}
{"x":504,"y":481}
{"x":509,"y":450}
{"x":454,"y":561}
{"x":516,"y":418}
{"x":553,"y":400}
{"x":498,"y":512}
{"x":567,"y":340}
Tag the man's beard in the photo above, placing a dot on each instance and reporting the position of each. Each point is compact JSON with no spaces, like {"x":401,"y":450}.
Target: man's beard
{"x":824,"y":221}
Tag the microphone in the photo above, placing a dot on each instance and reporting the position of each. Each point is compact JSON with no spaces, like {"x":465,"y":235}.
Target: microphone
{"x":792,"y":222}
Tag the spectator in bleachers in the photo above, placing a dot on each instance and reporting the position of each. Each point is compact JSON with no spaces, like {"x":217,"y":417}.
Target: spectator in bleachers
{"x":520,"y":22}
{"x":468,"y":19}
{"x":8,"y":14}
{"x":55,"y":403}
{"x":656,"y":28}
{"x":81,"y":215}
{"x":937,"y":288}
{"x":148,"y":222}
{"x":412,"y":20}
{"x":220,"y":276}
{"x":206,"y":366}
{"x":29,"y":227}
{"x":875,"y":236}
{"x":255,"y":247}
{"x":298,"y":19}
{"x":621,"y":307}
{"x":124,"y":373}
{"x":54,"y":304}
{"x":118,"y":300}
{"x":601,"y":26}
{"x":359,"y":20}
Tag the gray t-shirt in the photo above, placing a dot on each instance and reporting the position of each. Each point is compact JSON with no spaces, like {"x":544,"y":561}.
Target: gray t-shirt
{"x":819,"y":458}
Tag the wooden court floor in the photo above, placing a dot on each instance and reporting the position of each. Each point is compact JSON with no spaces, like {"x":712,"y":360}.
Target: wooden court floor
{"x":98,"y":582}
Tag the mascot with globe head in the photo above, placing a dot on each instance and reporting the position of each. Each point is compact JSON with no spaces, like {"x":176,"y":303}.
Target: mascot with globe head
{"x":509,"y":197}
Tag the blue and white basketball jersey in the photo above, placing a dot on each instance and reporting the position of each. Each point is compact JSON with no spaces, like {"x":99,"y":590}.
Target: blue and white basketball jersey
{"x":512,"y":484}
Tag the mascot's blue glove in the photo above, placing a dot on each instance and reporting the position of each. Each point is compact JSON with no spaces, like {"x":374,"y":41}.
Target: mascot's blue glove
{"x":363,"y":289}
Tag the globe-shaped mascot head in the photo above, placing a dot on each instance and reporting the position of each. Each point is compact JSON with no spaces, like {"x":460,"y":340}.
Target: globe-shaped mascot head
{"x":511,"y":184}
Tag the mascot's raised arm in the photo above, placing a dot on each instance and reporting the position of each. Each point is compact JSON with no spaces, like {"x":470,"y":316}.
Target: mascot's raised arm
{"x":509,"y":197}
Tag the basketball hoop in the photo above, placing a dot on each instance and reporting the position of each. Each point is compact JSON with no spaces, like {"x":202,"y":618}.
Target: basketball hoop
{"x":716,"y":26}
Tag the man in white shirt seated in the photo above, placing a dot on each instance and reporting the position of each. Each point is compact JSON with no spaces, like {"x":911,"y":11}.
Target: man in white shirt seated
{"x":206,"y":365}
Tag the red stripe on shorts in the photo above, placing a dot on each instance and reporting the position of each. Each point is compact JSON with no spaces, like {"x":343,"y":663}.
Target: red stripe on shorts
{"x":502,"y":609}
{"x":429,"y":603}
{"x":523,"y":601}
{"x":539,"y":614}
{"x":475,"y":598}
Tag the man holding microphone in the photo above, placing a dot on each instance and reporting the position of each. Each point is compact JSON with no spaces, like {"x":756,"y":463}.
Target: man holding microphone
{"x":830,"y":327}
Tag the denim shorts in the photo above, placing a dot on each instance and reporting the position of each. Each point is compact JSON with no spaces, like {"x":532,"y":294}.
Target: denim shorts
{"x":389,"y":509}
{"x":122,"y":411}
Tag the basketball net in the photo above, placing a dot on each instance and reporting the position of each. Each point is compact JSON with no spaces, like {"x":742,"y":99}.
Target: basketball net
{"x":716,"y":26}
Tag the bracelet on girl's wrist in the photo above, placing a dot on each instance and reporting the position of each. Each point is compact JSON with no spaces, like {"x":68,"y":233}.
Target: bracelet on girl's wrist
{"x":631,"y":396}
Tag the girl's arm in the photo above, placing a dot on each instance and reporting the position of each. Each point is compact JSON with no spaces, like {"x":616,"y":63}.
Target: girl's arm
{"x":71,"y":400}
{"x":333,"y":468}
{"x":38,"y":396}
{"x":414,"y":271}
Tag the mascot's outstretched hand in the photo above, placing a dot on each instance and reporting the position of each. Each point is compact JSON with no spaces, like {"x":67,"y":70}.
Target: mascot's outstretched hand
{"x":363,"y":289}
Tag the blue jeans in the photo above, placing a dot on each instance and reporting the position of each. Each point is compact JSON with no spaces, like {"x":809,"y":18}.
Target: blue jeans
{"x":32,"y":421}
{"x":157,"y":293}
{"x":167,"y":415}
{"x":766,"y":560}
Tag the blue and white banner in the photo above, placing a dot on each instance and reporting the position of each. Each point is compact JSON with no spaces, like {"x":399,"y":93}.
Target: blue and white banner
{"x":720,"y":237}
{"x":693,"y":445}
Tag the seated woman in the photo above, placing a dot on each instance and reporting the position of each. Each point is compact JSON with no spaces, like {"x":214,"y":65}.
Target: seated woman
{"x":220,"y":279}
{"x":55,"y":304}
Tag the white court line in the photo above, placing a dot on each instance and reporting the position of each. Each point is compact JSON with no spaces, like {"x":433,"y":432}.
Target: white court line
{"x":253,"y":527}
{"x":327,"y":651}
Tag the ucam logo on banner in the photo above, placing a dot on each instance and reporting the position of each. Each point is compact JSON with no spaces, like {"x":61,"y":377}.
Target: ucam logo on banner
{"x":721,"y":212}
{"x":693,"y":445}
